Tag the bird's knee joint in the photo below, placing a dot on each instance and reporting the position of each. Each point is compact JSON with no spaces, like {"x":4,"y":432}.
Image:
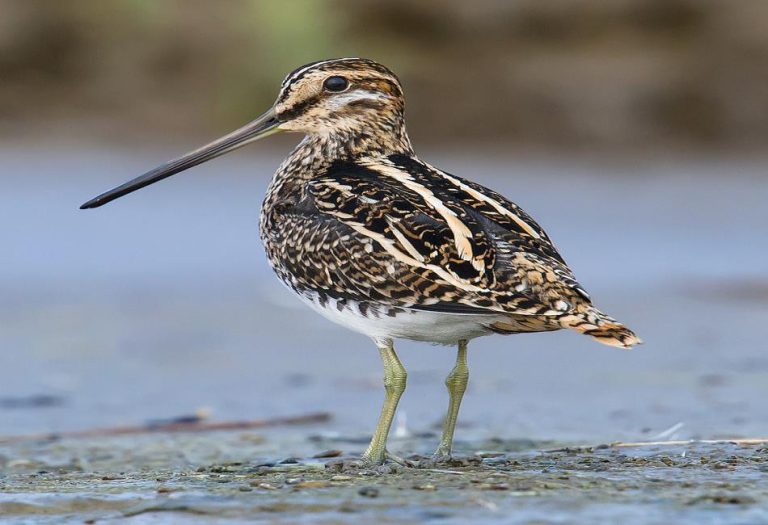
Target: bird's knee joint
{"x":457,"y":380}
{"x":395,"y":381}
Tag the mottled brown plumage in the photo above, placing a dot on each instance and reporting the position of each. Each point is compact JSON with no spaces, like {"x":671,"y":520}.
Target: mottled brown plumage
{"x":379,"y":241}
{"x":353,"y":215}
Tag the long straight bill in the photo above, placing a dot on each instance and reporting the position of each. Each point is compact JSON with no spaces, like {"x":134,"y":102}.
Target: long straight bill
{"x":265,"y":125}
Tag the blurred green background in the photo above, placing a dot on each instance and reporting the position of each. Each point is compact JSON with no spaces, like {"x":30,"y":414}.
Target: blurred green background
{"x":622,"y":74}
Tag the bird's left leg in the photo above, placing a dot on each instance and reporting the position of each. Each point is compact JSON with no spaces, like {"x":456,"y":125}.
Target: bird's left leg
{"x":457,"y":384}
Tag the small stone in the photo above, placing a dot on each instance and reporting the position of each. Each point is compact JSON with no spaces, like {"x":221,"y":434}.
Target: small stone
{"x":293,"y":481}
{"x":488,"y":454}
{"x":335,"y":466}
{"x":388,"y":469}
{"x":262,"y":485}
{"x":340,"y":477}
{"x":522,"y":493}
{"x":312,"y":484}
{"x":369,"y":492}
{"x":425,"y":487}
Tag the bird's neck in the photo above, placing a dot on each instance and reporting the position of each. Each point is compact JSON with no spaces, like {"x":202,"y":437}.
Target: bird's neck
{"x":369,"y":139}
{"x":318,"y":151}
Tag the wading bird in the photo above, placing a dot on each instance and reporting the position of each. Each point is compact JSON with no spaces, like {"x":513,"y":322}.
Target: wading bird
{"x":385,"y":244}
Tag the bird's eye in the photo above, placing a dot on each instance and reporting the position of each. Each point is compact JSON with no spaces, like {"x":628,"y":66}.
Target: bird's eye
{"x":335,"y":84}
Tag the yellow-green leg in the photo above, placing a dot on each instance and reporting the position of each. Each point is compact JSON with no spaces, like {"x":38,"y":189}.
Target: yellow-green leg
{"x":394,"y":385}
{"x":457,"y":384}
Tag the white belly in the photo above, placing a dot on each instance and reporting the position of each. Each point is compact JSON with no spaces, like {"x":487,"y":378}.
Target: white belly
{"x":402,"y":323}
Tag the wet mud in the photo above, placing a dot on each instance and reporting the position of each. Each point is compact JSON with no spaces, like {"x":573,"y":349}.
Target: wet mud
{"x":231,"y":477}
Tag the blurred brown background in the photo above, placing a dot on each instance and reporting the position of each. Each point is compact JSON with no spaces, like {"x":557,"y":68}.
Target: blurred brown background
{"x":679,"y":74}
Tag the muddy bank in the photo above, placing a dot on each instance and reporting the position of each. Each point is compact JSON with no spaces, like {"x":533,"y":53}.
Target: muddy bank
{"x":236,"y":476}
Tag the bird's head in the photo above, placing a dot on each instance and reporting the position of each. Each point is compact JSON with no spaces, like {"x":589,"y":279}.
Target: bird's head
{"x":353,"y":104}
{"x":340,"y":97}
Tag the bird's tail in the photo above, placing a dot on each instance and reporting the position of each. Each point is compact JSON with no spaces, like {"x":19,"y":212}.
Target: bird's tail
{"x":601,"y":327}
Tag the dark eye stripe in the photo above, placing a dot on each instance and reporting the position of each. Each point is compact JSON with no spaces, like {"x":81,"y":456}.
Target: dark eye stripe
{"x":335,"y":84}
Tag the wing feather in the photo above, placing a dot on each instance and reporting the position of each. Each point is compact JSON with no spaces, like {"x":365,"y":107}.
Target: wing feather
{"x":414,"y":237}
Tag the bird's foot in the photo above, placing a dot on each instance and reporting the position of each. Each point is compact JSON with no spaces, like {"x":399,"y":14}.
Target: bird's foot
{"x":442,"y":454}
{"x":397,"y":459}
{"x":443,"y":458}
{"x":440,"y":460}
{"x":382,"y":463}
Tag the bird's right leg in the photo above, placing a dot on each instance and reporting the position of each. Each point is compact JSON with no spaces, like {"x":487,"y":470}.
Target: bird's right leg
{"x":394,"y":386}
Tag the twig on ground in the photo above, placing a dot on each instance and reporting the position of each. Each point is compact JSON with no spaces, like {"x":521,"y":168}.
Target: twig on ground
{"x":190,"y":426}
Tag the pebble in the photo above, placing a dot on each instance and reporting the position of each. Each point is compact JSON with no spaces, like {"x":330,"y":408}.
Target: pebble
{"x":312,"y":484}
{"x":262,"y":485}
{"x":388,"y":469}
{"x":369,"y":492}
{"x":495,"y":486}
{"x":488,"y":454}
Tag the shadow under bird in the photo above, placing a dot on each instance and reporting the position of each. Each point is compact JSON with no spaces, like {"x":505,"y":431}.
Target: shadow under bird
{"x":379,"y":241}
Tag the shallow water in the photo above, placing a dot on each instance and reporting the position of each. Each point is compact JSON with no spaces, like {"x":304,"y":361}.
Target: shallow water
{"x":162,"y":303}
